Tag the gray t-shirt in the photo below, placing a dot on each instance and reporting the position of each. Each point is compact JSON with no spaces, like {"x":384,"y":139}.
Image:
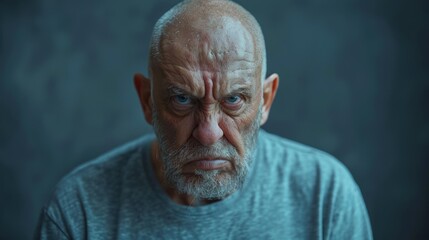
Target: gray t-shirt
{"x":292,"y":192}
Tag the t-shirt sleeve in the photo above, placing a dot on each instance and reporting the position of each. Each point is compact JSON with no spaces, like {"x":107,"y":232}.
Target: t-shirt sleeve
{"x":49,"y":229}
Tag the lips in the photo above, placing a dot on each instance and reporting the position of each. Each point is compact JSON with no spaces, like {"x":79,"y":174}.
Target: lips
{"x":206,"y":164}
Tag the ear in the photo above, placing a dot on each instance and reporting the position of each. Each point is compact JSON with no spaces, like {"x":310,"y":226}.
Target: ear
{"x":269,"y":92}
{"x":142,"y":85}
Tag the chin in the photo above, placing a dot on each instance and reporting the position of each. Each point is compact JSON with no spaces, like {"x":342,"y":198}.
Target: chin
{"x":215,"y":184}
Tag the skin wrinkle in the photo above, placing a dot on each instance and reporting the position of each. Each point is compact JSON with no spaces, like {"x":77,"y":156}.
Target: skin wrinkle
{"x":204,"y":63}
{"x":212,"y":48}
{"x":182,"y":76}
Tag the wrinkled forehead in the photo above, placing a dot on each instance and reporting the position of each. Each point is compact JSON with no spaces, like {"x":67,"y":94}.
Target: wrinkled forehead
{"x":220,"y":43}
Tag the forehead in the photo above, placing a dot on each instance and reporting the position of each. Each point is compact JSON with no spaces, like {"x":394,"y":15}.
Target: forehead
{"x":216,"y":44}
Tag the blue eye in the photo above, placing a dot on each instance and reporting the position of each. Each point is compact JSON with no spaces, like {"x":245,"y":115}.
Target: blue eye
{"x":182,"y":99}
{"x":233,"y":99}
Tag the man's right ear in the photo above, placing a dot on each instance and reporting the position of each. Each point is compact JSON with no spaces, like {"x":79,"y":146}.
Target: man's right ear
{"x":142,"y":85}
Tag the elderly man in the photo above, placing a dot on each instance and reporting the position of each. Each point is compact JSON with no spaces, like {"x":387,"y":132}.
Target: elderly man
{"x":209,"y":172}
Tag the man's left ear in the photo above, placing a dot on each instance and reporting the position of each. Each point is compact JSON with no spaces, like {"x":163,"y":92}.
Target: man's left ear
{"x":269,"y":92}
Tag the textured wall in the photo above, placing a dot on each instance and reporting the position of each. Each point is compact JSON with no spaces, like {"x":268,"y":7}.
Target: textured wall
{"x":354,"y":82}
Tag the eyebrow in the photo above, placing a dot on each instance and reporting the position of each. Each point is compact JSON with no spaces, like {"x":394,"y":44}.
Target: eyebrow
{"x":175,"y":90}
{"x":244,"y":90}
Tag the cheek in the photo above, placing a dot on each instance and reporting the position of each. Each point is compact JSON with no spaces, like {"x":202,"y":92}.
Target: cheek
{"x":236,"y":128}
{"x":178,"y":130}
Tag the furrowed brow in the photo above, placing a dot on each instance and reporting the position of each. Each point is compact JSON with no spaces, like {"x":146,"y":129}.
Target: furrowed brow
{"x":241,"y":90}
{"x":175,"y":90}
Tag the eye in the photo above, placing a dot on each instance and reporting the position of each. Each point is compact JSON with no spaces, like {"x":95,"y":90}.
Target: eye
{"x":182,"y":99}
{"x":233,"y":99}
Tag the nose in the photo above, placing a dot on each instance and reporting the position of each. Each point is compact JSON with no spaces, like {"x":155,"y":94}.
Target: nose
{"x":208,"y":132}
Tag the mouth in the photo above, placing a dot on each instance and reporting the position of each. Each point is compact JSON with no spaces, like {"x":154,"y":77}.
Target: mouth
{"x":207,"y":164}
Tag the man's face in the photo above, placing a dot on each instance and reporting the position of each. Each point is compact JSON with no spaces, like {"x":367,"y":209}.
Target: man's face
{"x":207,"y":107}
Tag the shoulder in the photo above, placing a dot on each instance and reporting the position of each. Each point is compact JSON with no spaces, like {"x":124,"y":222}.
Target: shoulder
{"x":299,"y":157}
{"x":94,"y":189}
{"x":304,"y":170}
{"x":99,"y":180}
{"x":314,"y":179}
{"x":109,"y":164}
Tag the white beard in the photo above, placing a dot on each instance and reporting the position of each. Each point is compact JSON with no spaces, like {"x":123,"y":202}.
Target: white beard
{"x":210,"y":185}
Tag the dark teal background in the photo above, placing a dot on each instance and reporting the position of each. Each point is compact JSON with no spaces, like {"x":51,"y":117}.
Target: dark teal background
{"x":354,"y":82}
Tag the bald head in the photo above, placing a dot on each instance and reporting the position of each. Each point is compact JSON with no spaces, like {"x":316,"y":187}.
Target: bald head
{"x":214,"y":28}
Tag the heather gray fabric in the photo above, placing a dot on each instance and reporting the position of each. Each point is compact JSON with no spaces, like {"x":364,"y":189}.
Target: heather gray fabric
{"x":292,"y":192}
